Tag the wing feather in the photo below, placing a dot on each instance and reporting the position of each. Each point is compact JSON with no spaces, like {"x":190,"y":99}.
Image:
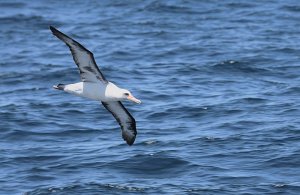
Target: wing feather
{"x":83,"y":58}
{"x":125,"y":120}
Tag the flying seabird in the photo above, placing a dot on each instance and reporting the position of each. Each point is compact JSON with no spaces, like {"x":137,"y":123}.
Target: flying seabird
{"x":94,"y":86}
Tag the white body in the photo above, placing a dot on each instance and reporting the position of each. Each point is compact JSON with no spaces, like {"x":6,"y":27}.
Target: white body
{"x":95,"y":91}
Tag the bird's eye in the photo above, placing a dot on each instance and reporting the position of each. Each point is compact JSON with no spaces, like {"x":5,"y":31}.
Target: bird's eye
{"x":127,"y":94}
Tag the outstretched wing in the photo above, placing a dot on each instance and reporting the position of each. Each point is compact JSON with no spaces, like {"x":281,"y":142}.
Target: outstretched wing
{"x":125,"y":120}
{"x":83,"y":58}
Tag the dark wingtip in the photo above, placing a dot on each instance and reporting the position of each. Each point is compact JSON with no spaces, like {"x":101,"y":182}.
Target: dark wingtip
{"x":65,"y":38}
{"x":130,"y":143}
{"x":59,"y":86}
{"x":128,"y":138}
{"x":53,"y":29}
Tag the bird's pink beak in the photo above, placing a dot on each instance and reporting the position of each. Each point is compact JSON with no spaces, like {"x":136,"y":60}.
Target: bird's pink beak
{"x":131,"y":98}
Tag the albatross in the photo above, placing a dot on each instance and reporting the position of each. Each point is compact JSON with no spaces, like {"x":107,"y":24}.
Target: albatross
{"x":94,"y":86}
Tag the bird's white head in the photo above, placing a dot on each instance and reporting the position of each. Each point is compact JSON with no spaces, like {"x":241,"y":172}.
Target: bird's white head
{"x":127,"y":95}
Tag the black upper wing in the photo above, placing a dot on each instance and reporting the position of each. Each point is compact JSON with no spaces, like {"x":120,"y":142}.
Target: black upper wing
{"x":125,"y":120}
{"x":83,"y":58}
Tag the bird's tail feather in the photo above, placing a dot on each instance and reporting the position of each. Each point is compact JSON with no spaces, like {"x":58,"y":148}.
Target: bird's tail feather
{"x":59,"y":86}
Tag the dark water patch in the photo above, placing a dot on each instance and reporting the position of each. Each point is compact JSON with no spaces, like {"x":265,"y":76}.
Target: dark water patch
{"x":12,"y":5}
{"x":39,"y":178}
{"x":163,"y":7}
{"x":291,"y":8}
{"x":241,"y":5}
{"x":189,"y":112}
{"x":26,"y":21}
{"x":218,"y":139}
{"x":287,"y":50}
{"x":252,"y":100}
{"x":37,"y":105}
{"x":236,"y":67}
{"x":50,"y":134}
{"x":154,"y":165}
{"x":37,"y":159}
{"x":10,"y":107}
{"x":74,"y":112}
{"x":290,"y":111}
{"x":292,"y":91}
{"x":284,"y":161}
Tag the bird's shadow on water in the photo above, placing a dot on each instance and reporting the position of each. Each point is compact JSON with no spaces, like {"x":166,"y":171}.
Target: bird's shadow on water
{"x":151,"y":165}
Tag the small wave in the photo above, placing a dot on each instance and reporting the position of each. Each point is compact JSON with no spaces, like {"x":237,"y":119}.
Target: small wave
{"x":251,"y":100}
{"x":291,"y":8}
{"x":217,"y":139}
{"x":23,"y":90}
{"x":185,"y":112}
{"x":89,"y":188}
{"x":237,"y":67}
{"x":291,"y":184}
{"x":20,"y":18}
{"x":31,"y":159}
{"x":289,"y":161}
{"x":241,"y":5}
{"x":159,"y":6}
{"x":12,"y":5}
{"x":17,"y":135}
{"x":27,"y":21}
{"x":292,"y":91}
{"x":159,"y":165}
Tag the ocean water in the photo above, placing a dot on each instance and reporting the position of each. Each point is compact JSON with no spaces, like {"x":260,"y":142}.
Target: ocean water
{"x":219,"y":82}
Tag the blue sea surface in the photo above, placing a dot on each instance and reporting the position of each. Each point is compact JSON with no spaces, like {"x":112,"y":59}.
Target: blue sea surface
{"x":218,"y":80}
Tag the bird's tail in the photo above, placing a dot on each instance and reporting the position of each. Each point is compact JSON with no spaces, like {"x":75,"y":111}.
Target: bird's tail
{"x":59,"y":87}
